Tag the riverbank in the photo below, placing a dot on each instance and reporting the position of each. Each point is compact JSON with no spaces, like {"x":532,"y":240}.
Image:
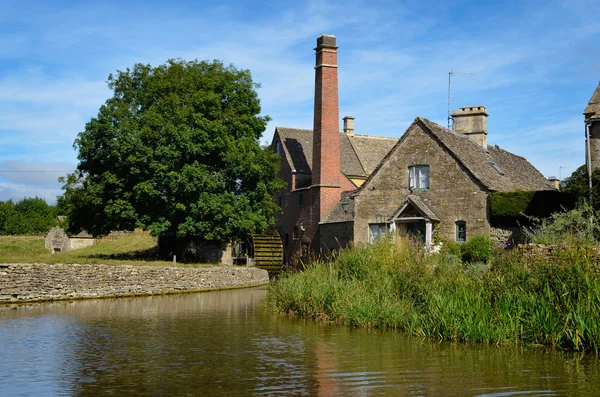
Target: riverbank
{"x":37,"y":282}
{"x":394,"y":284}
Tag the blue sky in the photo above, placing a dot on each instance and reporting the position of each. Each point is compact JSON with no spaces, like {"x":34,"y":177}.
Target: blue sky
{"x":536,"y":65}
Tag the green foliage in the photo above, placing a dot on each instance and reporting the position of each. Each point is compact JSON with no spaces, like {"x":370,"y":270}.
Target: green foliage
{"x":578,"y":185}
{"x":30,"y":215}
{"x":392,"y":284}
{"x":477,"y":249}
{"x":575,"y":227}
{"x":516,"y":205}
{"x":175,"y":150}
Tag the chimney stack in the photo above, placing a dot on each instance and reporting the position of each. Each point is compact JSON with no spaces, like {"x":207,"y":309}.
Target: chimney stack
{"x":555,"y":182}
{"x":349,"y":125}
{"x":471,"y":121}
{"x":325,"y":189}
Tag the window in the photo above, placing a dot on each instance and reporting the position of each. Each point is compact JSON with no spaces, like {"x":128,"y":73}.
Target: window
{"x":281,"y":202}
{"x":376,"y":230}
{"x":304,"y":252}
{"x":418,"y":177}
{"x":277,"y":147}
{"x":461,"y":231}
{"x":301,"y":199}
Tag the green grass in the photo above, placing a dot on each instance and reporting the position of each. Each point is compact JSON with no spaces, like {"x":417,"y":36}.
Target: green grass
{"x":134,"y":249}
{"x":393,"y":284}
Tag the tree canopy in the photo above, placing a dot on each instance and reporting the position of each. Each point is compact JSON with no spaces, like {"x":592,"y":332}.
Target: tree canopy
{"x":30,"y":215}
{"x":176,"y":150}
{"x":578,"y":185}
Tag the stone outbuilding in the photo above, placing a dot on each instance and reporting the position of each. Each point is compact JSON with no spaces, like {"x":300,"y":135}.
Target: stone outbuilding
{"x":57,"y":240}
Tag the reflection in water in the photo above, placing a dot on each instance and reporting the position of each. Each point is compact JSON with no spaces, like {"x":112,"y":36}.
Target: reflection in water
{"x":224,"y":344}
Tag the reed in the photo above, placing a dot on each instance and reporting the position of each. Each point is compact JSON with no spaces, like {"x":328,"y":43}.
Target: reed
{"x":394,"y":283}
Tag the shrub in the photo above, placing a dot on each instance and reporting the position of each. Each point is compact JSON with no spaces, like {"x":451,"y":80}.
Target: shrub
{"x":578,"y":226}
{"x":477,"y":249}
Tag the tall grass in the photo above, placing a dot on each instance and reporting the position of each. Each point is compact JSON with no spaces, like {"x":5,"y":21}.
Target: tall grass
{"x":395,"y":284}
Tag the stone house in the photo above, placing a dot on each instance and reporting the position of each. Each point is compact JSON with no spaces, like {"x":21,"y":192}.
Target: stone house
{"x":344,"y":187}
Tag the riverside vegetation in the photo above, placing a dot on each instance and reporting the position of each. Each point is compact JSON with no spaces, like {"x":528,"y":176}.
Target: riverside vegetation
{"x":494,"y":295}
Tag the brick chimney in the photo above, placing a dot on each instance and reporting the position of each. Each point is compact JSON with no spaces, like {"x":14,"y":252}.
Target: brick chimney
{"x":325,"y":189}
{"x":471,"y":121}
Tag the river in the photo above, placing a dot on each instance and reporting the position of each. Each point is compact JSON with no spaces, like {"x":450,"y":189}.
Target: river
{"x":225,"y":344}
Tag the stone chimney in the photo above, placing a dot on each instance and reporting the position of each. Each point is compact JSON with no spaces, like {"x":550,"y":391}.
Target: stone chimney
{"x":349,"y":125}
{"x":471,"y":121}
{"x":592,"y":125}
{"x":554,"y":181}
{"x":325,"y":189}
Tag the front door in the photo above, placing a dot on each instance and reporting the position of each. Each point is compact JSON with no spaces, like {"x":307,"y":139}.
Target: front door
{"x":416,"y":230}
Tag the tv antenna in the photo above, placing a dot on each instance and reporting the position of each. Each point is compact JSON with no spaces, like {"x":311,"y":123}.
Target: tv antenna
{"x":450,"y":74}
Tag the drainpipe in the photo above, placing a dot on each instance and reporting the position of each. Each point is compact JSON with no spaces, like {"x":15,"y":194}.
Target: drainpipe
{"x":589,"y":156}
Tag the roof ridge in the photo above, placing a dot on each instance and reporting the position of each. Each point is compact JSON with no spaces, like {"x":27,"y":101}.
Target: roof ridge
{"x":371,"y":136}
{"x":341,"y":132}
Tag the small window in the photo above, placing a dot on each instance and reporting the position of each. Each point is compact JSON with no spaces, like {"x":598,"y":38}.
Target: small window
{"x":296,"y":233}
{"x":461,"y":231}
{"x":281,"y":202}
{"x":301,"y":199}
{"x":377,"y":230}
{"x":304,"y":252}
{"x":277,"y":147}
{"x":418,"y":177}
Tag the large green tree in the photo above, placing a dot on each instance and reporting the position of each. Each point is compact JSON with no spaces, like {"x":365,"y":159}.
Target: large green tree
{"x":578,"y":185}
{"x":30,"y":215}
{"x":176,"y":150}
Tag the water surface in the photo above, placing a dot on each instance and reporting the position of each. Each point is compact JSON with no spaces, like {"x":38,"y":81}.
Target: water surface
{"x":224,"y":344}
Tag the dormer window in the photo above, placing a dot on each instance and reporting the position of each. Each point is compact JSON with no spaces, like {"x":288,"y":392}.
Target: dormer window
{"x":418,"y":177}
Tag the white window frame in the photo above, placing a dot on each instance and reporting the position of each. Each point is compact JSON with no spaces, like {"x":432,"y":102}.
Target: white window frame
{"x":377,"y":230}
{"x":418,"y":177}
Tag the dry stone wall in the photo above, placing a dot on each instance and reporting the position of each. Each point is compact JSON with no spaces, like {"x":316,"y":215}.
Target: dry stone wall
{"x":41,"y":282}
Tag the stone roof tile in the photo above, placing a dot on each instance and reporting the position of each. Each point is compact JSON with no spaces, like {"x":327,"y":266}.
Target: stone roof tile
{"x":359,"y":154}
{"x":592,"y":110}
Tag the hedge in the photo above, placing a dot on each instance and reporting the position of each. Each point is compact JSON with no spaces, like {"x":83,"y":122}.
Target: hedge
{"x":520,"y":205}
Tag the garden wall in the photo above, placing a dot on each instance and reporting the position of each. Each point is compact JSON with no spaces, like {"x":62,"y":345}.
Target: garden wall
{"x":40,"y":282}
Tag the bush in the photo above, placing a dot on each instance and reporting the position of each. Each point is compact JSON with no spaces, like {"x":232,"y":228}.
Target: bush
{"x":477,"y":249}
{"x":578,"y":226}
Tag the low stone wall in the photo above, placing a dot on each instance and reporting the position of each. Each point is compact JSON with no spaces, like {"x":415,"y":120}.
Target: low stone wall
{"x":42,"y":282}
{"x":506,"y":234}
{"x":541,"y":252}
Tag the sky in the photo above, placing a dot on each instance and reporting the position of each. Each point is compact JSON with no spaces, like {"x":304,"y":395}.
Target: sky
{"x":535,"y":66}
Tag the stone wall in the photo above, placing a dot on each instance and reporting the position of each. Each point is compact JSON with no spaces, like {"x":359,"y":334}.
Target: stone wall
{"x":336,"y":235}
{"x":506,"y":234}
{"x":42,"y":282}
